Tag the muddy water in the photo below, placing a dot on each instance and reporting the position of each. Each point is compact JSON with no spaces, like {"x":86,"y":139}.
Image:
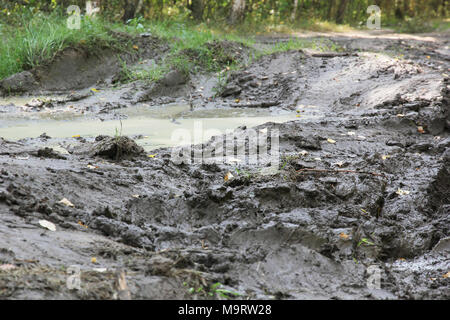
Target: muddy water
{"x":156,"y":126}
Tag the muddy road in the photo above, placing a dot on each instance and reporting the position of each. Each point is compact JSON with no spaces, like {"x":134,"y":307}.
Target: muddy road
{"x":358,"y":207}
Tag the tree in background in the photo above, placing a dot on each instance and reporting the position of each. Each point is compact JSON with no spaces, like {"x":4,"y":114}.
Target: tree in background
{"x":237,"y":11}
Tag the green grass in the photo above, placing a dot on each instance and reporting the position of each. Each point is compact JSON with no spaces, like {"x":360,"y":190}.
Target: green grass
{"x":37,"y":39}
{"x":190,"y":49}
{"x":297,"y":44}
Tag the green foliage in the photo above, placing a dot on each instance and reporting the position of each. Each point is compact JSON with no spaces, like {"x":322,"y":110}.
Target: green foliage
{"x":34,"y":31}
{"x":38,"y":38}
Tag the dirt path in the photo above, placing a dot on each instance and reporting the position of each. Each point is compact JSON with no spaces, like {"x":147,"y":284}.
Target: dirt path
{"x":363,"y":190}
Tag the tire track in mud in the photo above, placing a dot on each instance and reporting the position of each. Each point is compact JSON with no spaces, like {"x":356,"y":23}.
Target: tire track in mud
{"x":295,"y":234}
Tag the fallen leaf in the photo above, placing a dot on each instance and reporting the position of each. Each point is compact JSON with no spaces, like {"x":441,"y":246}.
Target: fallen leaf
{"x":428,"y":57}
{"x":298,"y":116}
{"x":402,"y":192}
{"x":82,"y":224}
{"x":385,"y":157}
{"x":237,"y":100}
{"x":94,"y":90}
{"x":60,"y":150}
{"x":94,"y":260}
{"x":364,"y":211}
{"x":447,"y":275}
{"x":420,"y":129}
{"x":135,"y":47}
{"x":228,"y":176}
{"x":47,"y":224}
{"x":76,"y":136}
{"x":304,"y":153}
{"x":331,"y":141}
{"x":344,"y":236}
{"x":152,"y":156}
{"x":91,"y":167}
{"x":67,"y":203}
{"x":7,"y":267}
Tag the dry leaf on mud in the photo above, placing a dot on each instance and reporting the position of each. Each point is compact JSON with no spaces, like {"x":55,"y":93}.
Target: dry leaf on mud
{"x":7,"y":267}
{"x":447,"y":275}
{"x":135,"y":47}
{"x":82,"y":224}
{"x":401,"y":192}
{"x":94,"y":260}
{"x":66,"y":203}
{"x":331,"y":141}
{"x":228,"y":176}
{"x":344,"y":236}
{"x":152,"y":156}
{"x":94,"y":90}
{"x":47,"y":225}
{"x":420,"y":129}
{"x":76,"y":136}
{"x":340,"y":164}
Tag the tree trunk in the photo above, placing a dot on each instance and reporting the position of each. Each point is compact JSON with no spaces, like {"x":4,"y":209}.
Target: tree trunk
{"x":341,"y":11}
{"x":197,"y":8}
{"x":294,"y":12}
{"x":132,"y":8}
{"x":331,"y":5}
{"x":237,"y":11}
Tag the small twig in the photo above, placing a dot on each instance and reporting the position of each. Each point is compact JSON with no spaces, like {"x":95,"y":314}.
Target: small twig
{"x":340,"y":171}
{"x":123,"y":293}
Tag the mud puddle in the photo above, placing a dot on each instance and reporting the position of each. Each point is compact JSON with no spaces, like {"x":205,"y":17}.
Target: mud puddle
{"x":154,"y":127}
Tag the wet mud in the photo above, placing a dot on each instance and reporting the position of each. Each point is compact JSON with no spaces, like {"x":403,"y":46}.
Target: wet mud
{"x":358,"y":208}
